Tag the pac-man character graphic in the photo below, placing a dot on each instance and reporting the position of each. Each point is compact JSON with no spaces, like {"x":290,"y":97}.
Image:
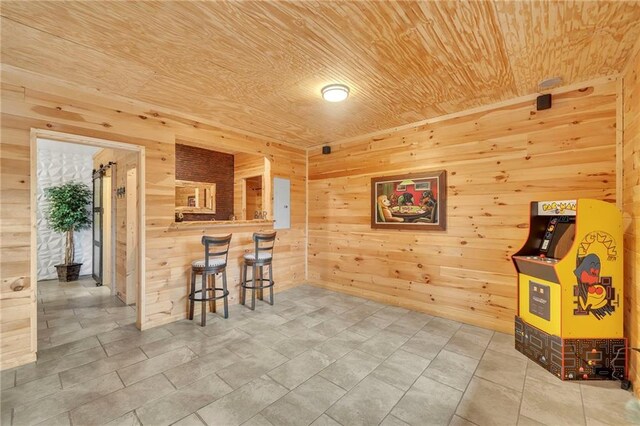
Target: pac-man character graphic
{"x":593,"y":297}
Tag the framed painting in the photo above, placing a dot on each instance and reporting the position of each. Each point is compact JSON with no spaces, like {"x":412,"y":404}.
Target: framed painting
{"x":413,"y":201}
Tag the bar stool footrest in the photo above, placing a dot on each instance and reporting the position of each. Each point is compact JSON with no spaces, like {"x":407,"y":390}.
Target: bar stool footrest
{"x":257,"y":287}
{"x":224,"y":294}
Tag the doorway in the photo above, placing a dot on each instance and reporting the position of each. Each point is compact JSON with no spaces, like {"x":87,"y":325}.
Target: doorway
{"x":253,"y":198}
{"x":70,"y":311}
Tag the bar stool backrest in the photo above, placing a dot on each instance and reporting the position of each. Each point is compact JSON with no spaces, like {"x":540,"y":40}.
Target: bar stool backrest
{"x":264,"y":245}
{"x":216,"y":250}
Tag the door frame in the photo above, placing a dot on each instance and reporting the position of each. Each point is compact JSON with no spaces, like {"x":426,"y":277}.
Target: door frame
{"x":100,"y":143}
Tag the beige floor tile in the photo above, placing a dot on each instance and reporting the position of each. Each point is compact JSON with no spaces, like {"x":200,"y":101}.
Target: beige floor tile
{"x":452,"y":369}
{"x":505,"y":344}
{"x":66,"y":400}
{"x":351,"y":369}
{"x":67,"y":349}
{"x":301,"y":368}
{"x":368,"y":403}
{"x":552,"y":403}
{"x":504,"y":370}
{"x":246,"y":370}
{"x":257,"y":420}
{"x":128,"y":419}
{"x":304,"y":404}
{"x":401,"y":369}
{"x":8,"y":379}
{"x":242,"y":404}
{"x":130,"y":343}
{"x":187,"y":373}
{"x":391,"y":420}
{"x":325,"y":420}
{"x":37,"y":370}
{"x":101,"y":367}
{"x":152,"y":366}
{"x":427,"y":399}
{"x":468,"y":344}
{"x":178,"y":404}
{"x":341,"y":344}
{"x":384,"y":343}
{"x":487,"y":403}
{"x":190,"y":420}
{"x":114,"y":405}
{"x":33,"y":390}
{"x":61,"y":419}
{"x":425,"y":344}
{"x":604,"y":403}
{"x":443,"y":327}
{"x":459,"y":421}
{"x":295,"y":345}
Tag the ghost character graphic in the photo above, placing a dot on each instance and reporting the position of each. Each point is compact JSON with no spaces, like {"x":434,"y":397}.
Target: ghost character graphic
{"x":592,"y":296}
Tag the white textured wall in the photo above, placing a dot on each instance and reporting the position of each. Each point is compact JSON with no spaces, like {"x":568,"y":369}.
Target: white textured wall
{"x":58,"y":163}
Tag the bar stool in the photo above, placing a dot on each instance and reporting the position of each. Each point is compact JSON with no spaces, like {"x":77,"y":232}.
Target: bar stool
{"x":261,"y":257}
{"x":216,"y":250}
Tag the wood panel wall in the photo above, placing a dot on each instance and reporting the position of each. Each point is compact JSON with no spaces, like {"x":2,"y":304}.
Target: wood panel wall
{"x":34,"y":101}
{"x":631,"y":208}
{"x":497,"y":161}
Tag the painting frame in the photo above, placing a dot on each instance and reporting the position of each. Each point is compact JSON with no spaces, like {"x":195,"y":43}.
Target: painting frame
{"x":415,"y":216}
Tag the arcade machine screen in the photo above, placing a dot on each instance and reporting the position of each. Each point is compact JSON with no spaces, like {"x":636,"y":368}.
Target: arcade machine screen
{"x":558,"y":237}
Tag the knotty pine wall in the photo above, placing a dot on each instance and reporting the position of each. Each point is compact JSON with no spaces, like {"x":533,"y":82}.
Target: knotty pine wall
{"x":497,"y":161}
{"x":33,"y":101}
{"x":631,"y":209}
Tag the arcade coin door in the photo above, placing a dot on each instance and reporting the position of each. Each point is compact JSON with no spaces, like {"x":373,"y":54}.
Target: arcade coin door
{"x":570,"y":313}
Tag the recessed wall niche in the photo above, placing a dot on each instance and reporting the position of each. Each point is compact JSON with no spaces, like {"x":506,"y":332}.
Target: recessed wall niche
{"x":203,"y":167}
{"x":221,"y":186}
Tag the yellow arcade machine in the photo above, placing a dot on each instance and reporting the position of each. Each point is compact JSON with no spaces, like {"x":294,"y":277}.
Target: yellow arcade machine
{"x":570,"y":311}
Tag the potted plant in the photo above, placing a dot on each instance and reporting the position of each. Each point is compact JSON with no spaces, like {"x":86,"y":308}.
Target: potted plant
{"x":68,"y":213}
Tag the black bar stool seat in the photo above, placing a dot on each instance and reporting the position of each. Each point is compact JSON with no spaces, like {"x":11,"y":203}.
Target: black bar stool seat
{"x":260,"y":258}
{"x":215,"y":262}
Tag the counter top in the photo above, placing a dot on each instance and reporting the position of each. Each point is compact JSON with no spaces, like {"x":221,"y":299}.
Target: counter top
{"x":219,"y":223}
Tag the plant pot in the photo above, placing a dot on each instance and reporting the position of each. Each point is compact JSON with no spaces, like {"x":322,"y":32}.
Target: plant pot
{"x":69,"y":272}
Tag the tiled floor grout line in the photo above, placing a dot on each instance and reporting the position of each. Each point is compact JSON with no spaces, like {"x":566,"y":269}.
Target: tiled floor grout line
{"x":471,"y":379}
{"x":524,"y":384}
{"x":177,"y":330}
{"x":584,"y":412}
{"x":404,"y":392}
{"x":343,"y":356}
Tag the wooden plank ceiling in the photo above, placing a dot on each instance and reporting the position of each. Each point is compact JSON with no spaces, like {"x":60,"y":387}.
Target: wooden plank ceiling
{"x":259,"y":66}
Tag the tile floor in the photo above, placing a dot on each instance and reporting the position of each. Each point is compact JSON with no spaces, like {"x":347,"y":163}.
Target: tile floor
{"x":315,"y":358}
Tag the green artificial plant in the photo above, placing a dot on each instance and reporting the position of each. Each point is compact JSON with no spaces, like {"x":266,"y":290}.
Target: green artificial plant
{"x":68,"y":211}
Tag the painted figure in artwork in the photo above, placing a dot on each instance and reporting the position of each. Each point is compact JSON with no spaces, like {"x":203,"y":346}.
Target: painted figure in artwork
{"x":593,"y":296}
{"x":405,"y":199}
{"x":428,"y":203}
{"x":384,"y":212}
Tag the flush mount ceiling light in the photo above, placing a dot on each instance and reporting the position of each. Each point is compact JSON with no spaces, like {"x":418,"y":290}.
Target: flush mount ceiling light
{"x":335,"y":92}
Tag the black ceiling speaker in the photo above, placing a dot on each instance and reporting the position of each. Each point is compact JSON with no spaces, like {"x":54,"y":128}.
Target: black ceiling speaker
{"x":326,"y":149}
{"x":543,"y":102}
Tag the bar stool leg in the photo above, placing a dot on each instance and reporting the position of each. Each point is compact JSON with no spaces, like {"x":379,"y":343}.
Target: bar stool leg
{"x":212,"y":293}
{"x":225,"y":293}
{"x":260,"y":295}
{"x":204,"y":302}
{"x":271,"y":283}
{"x":243,"y":282}
{"x":253,"y":292}
{"x":192,"y":294}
